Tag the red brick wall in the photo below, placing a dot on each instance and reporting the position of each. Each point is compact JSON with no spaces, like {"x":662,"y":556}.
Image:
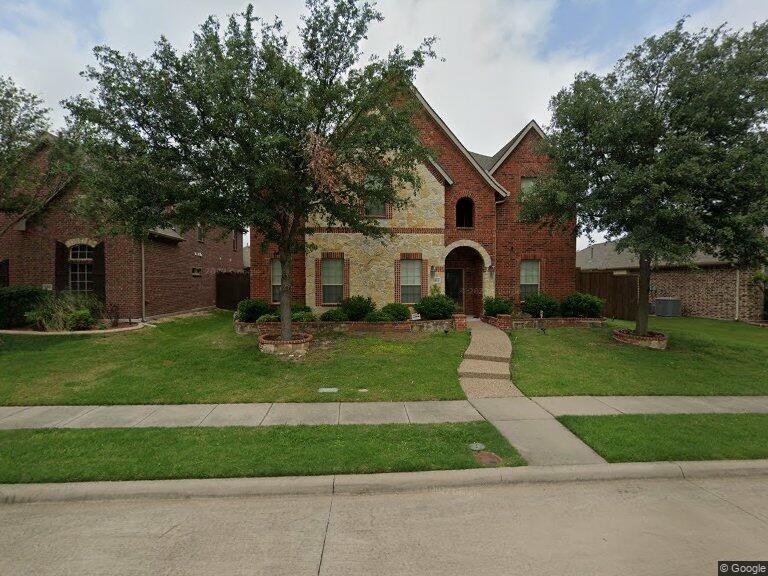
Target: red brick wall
{"x":517,"y":241}
{"x":467,"y":183}
{"x":710,"y":292}
{"x":261,"y":272}
{"x":170,"y":286}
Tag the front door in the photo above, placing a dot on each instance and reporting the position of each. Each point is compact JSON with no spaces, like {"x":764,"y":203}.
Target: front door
{"x":454,"y":285}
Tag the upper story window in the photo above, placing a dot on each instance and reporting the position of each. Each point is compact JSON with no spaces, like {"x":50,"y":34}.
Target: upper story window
{"x":530,"y":278}
{"x":81,"y":268}
{"x":200,"y":234}
{"x":465,"y":213}
{"x":375,"y":208}
{"x":526,"y":182}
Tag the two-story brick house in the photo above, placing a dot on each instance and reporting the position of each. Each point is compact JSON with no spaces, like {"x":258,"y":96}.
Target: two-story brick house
{"x":460,"y":232}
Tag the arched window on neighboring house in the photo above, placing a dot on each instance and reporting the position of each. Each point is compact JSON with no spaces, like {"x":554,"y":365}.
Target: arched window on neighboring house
{"x":80,"y":268}
{"x":465,"y":213}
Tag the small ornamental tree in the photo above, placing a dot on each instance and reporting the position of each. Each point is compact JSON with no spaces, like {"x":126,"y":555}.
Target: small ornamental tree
{"x":35,"y":165}
{"x":667,"y":153}
{"x":243,"y":130}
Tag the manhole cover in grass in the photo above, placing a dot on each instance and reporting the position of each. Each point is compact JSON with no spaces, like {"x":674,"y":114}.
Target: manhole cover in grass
{"x":327,"y":390}
{"x":487,"y":459}
{"x":477,"y":446}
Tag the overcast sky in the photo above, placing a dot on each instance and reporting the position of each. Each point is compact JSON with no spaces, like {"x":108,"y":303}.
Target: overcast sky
{"x":504,"y":59}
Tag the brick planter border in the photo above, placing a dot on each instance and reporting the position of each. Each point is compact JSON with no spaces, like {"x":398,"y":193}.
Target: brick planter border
{"x":299,"y":344}
{"x":655,"y":340}
{"x":372,"y":327}
{"x":507,"y":322}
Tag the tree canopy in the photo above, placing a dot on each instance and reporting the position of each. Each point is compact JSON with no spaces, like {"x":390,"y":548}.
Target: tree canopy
{"x":667,"y":153}
{"x":35,"y":165}
{"x":241,"y":129}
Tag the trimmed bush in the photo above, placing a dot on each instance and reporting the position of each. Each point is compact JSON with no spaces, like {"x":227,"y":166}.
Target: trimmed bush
{"x":495,"y":306}
{"x":357,"y":307}
{"x":378,"y":316}
{"x":334,"y":315}
{"x":437,"y":307}
{"x":80,"y":320}
{"x":251,"y":310}
{"x":268,"y":318}
{"x":398,"y":312}
{"x":579,"y":305}
{"x":300,"y":308}
{"x":541,"y":302}
{"x":302,"y":316}
{"x":17,"y":301}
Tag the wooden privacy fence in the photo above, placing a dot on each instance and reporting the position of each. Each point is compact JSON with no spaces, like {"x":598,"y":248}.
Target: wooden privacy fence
{"x":618,"y":291}
{"x":231,"y":288}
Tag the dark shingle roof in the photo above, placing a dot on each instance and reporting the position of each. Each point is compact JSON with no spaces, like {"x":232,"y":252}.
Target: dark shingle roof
{"x":603,"y":256}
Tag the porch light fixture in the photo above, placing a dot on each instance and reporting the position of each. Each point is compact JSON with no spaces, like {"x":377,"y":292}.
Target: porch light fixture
{"x":431,"y":271}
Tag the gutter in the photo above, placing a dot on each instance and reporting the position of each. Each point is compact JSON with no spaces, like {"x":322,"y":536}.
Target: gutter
{"x":143,"y":285}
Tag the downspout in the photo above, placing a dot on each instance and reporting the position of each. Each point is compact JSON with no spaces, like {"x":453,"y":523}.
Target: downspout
{"x":738,"y":290}
{"x":143,"y":285}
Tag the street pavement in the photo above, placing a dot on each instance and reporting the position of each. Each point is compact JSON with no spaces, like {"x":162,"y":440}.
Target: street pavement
{"x":627,"y":527}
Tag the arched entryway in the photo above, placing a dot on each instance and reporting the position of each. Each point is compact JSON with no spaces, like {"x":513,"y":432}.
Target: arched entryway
{"x":464,"y":267}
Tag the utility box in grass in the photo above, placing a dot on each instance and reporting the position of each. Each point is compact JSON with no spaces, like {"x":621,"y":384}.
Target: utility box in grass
{"x":668,"y":307}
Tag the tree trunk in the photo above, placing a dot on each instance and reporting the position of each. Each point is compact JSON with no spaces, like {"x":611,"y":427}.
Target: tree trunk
{"x":641,"y":324}
{"x":286,"y":293}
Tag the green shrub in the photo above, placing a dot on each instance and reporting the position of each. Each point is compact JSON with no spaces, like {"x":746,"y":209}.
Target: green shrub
{"x":300,"y":308}
{"x":357,"y":307}
{"x":535,"y":303}
{"x":54,"y":311}
{"x":268,"y":318}
{"x":378,"y":316}
{"x":251,"y":310}
{"x":398,"y":312}
{"x":579,"y":305}
{"x":302,"y":316}
{"x":495,"y":306}
{"x":334,"y":315}
{"x":437,"y":307}
{"x":80,"y":320}
{"x":17,"y":301}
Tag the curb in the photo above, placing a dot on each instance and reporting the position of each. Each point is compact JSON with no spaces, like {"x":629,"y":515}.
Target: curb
{"x":350,"y":484}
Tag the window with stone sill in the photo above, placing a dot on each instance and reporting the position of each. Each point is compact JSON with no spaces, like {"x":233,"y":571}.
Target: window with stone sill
{"x":410,"y":281}
{"x":332,"y":280}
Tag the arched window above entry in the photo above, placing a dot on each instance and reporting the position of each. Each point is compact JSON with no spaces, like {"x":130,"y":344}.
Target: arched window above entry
{"x":465,"y":213}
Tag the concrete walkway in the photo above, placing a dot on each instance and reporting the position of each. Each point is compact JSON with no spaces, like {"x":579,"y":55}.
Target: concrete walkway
{"x":533,"y":431}
{"x":607,"y":405}
{"x":266,"y":414}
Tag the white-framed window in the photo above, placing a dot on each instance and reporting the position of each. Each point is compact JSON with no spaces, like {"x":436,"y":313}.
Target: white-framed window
{"x":277,"y":275}
{"x":530,"y":277}
{"x":332,"y":280}
{"x":410,"y":281}
{"x":81,"y":268}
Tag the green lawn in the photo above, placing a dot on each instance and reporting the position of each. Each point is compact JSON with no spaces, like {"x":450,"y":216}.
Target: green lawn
{"x":658,"y":437}
{"x":200,"y":359}
{"x":154,"y":453}
{"x":704,"y":357}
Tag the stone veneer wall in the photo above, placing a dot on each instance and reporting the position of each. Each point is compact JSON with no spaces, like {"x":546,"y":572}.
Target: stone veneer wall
{"x":710,"y":292}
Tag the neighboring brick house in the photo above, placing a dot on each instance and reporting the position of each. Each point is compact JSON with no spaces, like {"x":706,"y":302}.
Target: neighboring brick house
{"x":711,"y":289}
{"x":460,"y":233}
{"x":59,"y":251}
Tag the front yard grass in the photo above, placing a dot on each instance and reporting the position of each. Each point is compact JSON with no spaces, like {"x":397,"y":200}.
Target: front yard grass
{"x":153,"y":453}
{"x":659,"y":437}
{"x":704,"y":357}
{"x":199,"y":359}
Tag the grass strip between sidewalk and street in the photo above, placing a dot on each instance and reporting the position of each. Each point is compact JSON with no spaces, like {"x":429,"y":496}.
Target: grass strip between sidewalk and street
{"x":664,"y":437}
{"x":58,"y":455}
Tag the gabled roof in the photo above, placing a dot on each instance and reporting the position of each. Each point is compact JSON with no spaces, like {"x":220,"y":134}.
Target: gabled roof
{"x":506,"y":150}
{"x":444,"y":127}
{"x":603,"y":256}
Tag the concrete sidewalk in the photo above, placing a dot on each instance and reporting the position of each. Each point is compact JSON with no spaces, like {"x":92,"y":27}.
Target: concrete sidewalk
{"x":608,"y":405}
{"x":266,"y":414}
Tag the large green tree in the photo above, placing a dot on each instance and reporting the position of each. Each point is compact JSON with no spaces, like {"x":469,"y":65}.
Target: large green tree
{"x":667,"y":153}
{"x":242,"y":129}
{"x":35,"y":165}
